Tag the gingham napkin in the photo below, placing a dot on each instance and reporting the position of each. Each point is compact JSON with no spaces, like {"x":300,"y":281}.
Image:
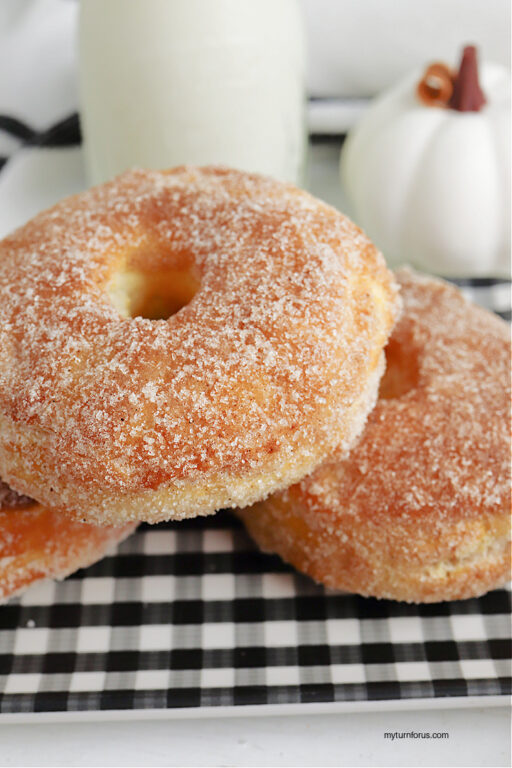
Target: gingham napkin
{"x":40,"y":163}
{"x":190,"y":615}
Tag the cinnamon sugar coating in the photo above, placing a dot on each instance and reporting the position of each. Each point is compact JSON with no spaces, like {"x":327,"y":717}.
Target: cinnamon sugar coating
{"x":245,"y":389}
{"x":37,"y":543}
{"x":420,"y":509}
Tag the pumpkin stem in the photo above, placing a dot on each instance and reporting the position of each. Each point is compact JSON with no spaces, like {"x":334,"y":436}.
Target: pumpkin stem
{"x":436,"y":86}
{"x":467,"y":95}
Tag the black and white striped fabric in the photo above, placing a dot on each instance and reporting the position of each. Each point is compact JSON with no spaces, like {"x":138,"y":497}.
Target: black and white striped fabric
{"x":190,"y":615}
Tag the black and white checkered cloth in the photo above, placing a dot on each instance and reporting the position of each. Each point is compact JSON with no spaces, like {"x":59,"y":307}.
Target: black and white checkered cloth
{"x":191,"y":615}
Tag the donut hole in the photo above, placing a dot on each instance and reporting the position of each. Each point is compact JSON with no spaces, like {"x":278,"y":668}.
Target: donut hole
{"x":402,"y":371}
{"x":155,"y":294}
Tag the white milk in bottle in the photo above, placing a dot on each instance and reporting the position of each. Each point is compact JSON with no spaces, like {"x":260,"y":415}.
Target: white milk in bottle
{"x":166,"y":82}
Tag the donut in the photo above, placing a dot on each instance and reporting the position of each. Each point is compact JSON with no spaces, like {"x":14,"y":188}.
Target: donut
{"x":420,"y":508}
{"x":176,"y":342}
{"x":37,"y":543}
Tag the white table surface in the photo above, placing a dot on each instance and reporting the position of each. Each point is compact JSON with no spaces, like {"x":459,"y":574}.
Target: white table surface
{"x":478,"y":736}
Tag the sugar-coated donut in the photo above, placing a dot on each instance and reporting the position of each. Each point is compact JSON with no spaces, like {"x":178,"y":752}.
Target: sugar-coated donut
{"x":420,"y":509}
{"x":114,"y":409}
{"x":37,"y":543}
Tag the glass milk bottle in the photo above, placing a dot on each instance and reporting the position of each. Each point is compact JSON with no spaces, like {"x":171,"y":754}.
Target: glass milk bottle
{"x":166,"y":82}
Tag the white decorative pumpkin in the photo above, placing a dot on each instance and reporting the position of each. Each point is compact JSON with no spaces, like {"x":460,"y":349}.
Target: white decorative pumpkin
{"x":431,"y":184}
